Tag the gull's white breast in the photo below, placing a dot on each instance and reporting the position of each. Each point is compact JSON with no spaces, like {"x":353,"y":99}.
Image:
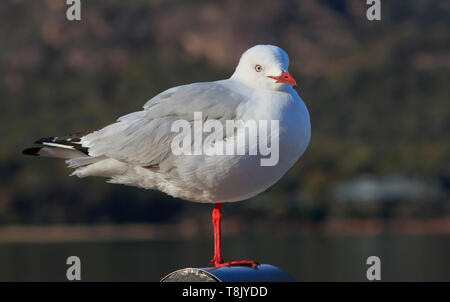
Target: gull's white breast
{"x":228,"y":178}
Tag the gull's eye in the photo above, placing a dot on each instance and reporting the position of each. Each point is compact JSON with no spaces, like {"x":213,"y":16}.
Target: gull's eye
{"x":258,"y":68}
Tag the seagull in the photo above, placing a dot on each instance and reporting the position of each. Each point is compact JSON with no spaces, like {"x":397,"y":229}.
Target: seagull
{"x":137,"y":149}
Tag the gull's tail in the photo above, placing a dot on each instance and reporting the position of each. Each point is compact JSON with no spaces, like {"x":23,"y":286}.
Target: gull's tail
{"x":77,"y":157}
{"x":66,"y":147}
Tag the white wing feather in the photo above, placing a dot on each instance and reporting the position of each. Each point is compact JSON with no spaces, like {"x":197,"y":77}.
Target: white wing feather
{"x":144,"y":137}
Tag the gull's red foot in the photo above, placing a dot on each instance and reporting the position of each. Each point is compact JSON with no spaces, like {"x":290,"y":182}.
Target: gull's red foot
{"x":217,"y":260}
{"x":248,"y":263}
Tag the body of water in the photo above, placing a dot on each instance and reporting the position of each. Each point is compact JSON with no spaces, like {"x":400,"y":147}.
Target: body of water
{"x":306,"y":258}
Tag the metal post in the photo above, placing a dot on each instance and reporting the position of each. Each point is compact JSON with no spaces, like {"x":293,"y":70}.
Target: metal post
{"x":262,"y":273}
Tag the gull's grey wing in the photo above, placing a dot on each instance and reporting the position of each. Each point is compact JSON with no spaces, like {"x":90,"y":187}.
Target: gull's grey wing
{"x":144,"y":137}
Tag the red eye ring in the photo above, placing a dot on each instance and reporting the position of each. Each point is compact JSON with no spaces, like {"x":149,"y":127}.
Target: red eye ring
{"x":258,"y":68}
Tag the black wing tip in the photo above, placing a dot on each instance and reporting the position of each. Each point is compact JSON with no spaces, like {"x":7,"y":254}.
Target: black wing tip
{"x":45,"y":140}
{"x":73,"y":141}
{"x":32,"y":151}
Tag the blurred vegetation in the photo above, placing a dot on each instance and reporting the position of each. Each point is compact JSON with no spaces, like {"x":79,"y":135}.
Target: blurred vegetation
{"x":378,"y":95}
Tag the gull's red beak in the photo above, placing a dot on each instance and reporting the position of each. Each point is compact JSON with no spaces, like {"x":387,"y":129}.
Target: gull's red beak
{"x":285,"y":78}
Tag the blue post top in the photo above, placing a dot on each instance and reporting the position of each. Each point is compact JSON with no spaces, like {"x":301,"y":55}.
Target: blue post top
{"x":262,"y":273}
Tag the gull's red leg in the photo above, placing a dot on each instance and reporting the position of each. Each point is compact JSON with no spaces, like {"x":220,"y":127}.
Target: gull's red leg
{"x":218,"y":260}
{"x":217,"y":219}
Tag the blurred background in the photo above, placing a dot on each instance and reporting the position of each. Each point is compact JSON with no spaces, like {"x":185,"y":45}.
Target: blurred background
{"x":375,"y":179}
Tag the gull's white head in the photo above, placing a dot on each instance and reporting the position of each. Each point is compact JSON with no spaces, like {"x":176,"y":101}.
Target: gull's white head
{"x":264,"y":67}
